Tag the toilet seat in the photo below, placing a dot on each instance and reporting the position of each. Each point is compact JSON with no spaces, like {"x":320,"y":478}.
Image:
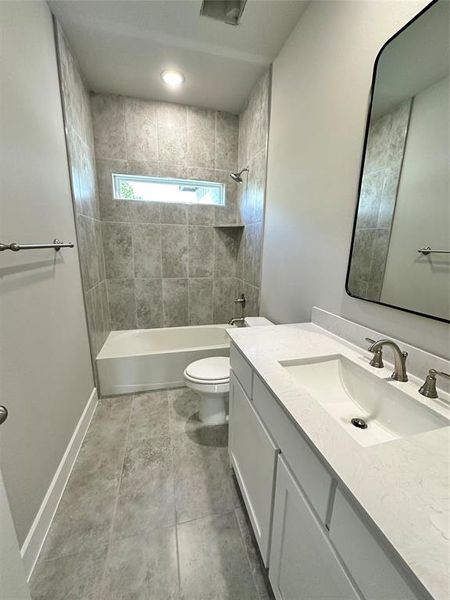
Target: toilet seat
{"x":206,"y":381}
{"x":214,"y":370}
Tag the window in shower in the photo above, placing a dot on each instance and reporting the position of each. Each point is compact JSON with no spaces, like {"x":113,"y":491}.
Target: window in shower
{"x":166,"y":189}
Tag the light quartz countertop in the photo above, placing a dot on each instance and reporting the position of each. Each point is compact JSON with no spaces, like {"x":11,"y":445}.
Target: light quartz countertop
{"x":402,"y":485}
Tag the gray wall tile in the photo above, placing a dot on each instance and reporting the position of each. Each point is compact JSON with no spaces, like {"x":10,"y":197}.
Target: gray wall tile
{"x":226,"y":245}
{"x":149,"y":305}
{"x":252,"y":152}
{"x":165,"y":140}
{"x":370,"y":199}
{"x":228,"y":214}
{"x":378,"y":194}
{"x":97,"y":309}
{"x":172,"y":133}
{"x":117,"y":248}
{"x":99,"y":249}
{"x":252,"y":244}
{"x":224,"y":294}
{"x":110,"y":209}
{"x":252,"y":296}
{"x":201,"y":251}
{"x":174,"y":214}
{"x":147,"y":250}
{"x":122,"y":303}
{"x":80,"y":148}
{"x":175,"y":302}
{"x":227,"y":134}
{"x":109,"y":125}
{"x":141,"y":130}
{"x":86,"y":234}
{"x":201,"y":301}
{"x":174,"y":241}
{"x":143,"y":212}
{"x":201,"y":129}
{"x":201,"y":214}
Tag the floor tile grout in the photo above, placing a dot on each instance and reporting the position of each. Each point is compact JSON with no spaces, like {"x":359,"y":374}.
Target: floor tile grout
{"x":177,"y":546}
{"x":244,"y":545}
{"x":125,"y":446}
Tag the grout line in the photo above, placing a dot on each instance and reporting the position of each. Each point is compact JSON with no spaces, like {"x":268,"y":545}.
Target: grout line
{"x":244,"y":545}
{"x":229,"y":511}
{"x":172,"y":434}
{"x":102,"y":581}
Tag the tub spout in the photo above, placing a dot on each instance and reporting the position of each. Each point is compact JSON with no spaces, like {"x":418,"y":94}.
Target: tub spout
{"x":239,"y":322}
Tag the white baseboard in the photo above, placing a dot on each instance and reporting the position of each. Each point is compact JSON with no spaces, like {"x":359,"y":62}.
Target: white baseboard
{"x":41,"y":524}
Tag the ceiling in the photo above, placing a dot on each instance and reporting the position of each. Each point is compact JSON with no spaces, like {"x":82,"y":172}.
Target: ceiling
{"x":416,"y":59}
{"x":122,"y":47}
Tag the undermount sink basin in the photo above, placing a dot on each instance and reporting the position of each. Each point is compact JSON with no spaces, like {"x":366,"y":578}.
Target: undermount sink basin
{"x":348,"y":392}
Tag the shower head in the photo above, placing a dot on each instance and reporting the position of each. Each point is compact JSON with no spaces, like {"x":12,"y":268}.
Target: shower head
{"x":237,"y":177}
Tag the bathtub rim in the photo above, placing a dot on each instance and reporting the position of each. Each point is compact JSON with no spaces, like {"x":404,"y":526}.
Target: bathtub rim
{"x":117,"y":332}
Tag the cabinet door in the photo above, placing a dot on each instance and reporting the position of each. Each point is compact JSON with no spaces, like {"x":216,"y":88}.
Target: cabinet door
{"x":303,"y":564}
{"x":374,"y":570}
{"x":253,"y":456}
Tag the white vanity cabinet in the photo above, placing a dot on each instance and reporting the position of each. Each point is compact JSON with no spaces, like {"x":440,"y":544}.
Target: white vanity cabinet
{"x":253,"y":456}
{"x":303,"y":563}
{"x":376,"y":574}
{"x":316,"y":545}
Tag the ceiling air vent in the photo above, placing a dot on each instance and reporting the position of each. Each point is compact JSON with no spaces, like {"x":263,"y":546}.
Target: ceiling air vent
{"x":227,"y":11}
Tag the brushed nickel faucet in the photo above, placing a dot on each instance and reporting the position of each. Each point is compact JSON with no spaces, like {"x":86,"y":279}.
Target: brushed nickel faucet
{"x":428,"y":389}
{"x":239,"y":321}
{"x":399,"y":373}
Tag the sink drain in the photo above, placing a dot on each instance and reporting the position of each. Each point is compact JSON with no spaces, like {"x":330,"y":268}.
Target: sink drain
{"x":359,"y":423}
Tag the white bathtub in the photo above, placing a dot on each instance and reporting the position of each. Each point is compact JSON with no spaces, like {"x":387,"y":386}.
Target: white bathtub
{"x":150,"y":359}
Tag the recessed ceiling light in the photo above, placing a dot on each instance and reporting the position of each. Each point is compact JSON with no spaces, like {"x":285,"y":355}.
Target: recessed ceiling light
{"x":172,"y":78}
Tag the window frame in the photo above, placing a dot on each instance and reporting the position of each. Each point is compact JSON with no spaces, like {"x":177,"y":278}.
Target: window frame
{"x":117,"y":178}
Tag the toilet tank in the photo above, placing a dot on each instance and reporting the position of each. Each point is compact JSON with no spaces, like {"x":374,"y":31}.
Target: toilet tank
{"x":257,"y":321}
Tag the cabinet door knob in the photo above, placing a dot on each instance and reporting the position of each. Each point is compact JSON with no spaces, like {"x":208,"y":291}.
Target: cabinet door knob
{"x":3,"y":414}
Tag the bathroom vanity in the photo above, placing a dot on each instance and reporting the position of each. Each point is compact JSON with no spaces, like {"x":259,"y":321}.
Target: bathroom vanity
{"x":338,"y":511}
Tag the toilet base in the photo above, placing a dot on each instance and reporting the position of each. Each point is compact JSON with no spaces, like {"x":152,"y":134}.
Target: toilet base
{"x":212,"y":409}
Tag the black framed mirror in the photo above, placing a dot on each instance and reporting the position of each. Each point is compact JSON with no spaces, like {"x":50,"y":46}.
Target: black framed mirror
{"x":400,"y":250}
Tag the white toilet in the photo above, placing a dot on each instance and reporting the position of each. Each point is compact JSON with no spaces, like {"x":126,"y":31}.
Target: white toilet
{"x":211,"y":378}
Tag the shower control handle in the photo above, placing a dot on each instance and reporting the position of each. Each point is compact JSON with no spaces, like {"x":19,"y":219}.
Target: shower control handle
{"x":3,"y":414}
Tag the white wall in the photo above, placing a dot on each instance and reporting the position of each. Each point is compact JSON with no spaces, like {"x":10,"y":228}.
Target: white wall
{"x":321,"y":82}
{"x":422,"y":210}
{"x":45,"y":370}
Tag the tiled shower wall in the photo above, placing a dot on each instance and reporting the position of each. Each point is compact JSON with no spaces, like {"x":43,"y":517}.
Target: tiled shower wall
{"x":80,"y":147}
{"x":150,"y":264}
{"x":382,"y":169}
{"x":253,"y":133}
{"x":166,"y":264}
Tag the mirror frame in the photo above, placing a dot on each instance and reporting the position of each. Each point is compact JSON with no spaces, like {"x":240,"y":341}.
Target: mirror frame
{"x":366,"y":135}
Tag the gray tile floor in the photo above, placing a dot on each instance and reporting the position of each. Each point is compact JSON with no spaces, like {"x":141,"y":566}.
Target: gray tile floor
{"x":151,"y":511}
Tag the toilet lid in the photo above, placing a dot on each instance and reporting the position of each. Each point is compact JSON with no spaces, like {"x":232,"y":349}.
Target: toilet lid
{"x":214,"y":368}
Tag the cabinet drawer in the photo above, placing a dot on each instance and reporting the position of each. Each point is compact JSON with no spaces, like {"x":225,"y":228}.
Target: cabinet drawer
{"x":303,"y":563}
{"x":303,"y":462}
{"x":365,"y":556}
{"x":253,"y":456}
{"x":242,"y":369}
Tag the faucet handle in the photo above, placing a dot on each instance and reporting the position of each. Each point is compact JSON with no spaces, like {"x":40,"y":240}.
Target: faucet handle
{"x":377,"y":359}
{"x":428,"y":389}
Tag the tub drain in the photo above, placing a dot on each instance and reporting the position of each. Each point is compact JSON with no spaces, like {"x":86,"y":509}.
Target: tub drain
{"x":360,"y":423}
